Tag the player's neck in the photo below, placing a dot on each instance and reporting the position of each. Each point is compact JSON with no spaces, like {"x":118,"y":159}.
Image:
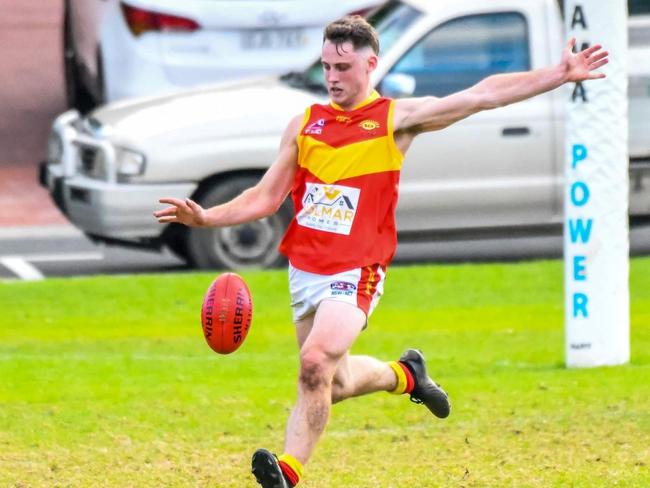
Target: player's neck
{"x":358,"y":101}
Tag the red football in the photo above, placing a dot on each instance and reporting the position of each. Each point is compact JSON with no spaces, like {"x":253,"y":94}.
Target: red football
{"x":226,"y":313}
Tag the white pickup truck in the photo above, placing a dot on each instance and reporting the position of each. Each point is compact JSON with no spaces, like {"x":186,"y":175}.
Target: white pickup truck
{"x":498,"y":171}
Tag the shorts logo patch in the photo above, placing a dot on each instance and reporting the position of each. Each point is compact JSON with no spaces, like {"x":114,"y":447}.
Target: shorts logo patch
{"x":329,"y":208}
{"x":342,"y":288}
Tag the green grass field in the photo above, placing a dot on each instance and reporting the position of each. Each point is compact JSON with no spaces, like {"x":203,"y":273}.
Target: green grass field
{"x":107,"y":382}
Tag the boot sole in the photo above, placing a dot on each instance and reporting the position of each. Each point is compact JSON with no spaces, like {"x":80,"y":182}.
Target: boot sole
{"x":266,"y":470}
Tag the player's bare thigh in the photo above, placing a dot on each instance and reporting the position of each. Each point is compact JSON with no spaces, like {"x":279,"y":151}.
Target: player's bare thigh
{"x":335,"y":325}
{"x":303,"y":328}
{"x":330,"y":332}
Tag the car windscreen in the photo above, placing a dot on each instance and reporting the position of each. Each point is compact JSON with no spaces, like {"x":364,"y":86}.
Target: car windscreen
{"x":638,"y":7}
{"x":390,"y":20}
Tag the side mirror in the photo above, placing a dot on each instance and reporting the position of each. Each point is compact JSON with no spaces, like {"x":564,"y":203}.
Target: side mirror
{"x":397,"y":85}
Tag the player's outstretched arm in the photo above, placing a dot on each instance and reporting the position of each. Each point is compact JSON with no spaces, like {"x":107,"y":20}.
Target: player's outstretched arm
{"x":424,"y":114}
{"x":259,"y":201}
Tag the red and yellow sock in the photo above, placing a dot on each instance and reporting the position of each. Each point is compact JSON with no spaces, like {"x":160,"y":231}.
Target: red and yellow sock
{"x":291,"y":467}
{"x":405,"y":381}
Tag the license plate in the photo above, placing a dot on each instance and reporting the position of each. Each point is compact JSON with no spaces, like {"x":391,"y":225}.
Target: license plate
{"x":259,"y":39}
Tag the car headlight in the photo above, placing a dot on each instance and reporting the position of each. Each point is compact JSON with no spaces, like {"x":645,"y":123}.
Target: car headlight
{"x":129,"y":163}
{"x":54,"y":148}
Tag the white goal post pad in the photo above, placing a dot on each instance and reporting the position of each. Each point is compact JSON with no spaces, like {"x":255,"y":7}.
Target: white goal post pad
{"x":596,"y":234}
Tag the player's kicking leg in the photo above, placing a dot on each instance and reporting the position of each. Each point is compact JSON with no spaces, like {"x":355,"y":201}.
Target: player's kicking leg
{"x":329,"y":374}
{"x":360,"y":375}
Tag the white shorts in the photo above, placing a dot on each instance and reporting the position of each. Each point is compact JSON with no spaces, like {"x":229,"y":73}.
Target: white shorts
{"x":361,"y":287}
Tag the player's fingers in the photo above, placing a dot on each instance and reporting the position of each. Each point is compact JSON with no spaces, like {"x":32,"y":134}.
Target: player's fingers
{"x":598,"y":64}
{"x":165,"y":212}
{"x":598,"y":56}
{"x":167,"y":220}
{"x":193,"y":205}
{"x":571,"y":43}
{"x":177,"y":202}
{"x":590,"y":50}
{"x":170,"y":201}
{"x":597,"y":76}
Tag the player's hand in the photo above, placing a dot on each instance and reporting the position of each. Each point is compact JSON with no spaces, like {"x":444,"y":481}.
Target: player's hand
{"x":186,"y":212}
{"x":580,"y":66}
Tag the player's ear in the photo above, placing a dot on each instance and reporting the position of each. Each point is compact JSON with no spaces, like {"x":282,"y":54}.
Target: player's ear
{"x":373,"y":60}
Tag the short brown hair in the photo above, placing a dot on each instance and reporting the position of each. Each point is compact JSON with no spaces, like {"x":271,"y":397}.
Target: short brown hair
{"x":354,"y":29}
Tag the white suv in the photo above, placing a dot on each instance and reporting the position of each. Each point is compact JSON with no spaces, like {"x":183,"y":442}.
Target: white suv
{"x":116,"y":49}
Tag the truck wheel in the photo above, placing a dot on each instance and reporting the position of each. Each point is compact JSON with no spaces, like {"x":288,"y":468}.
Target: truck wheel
{"x":251,"y":245}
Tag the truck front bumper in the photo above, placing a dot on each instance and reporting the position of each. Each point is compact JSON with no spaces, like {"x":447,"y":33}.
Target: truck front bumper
{"x":116,"y":211}
{"x":98,"y":203}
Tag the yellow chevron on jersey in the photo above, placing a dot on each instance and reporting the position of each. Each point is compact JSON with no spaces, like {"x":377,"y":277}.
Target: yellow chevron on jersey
{"x":334,"y":147}
{"x":361,"y":158}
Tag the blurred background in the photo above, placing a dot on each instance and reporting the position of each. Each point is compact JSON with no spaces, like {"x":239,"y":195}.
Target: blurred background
{"x":31,"y":95}
{"x":65,"y":54}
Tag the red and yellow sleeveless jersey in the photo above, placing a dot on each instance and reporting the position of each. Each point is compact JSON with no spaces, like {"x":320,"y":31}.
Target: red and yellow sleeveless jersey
{"x":345,"y":188}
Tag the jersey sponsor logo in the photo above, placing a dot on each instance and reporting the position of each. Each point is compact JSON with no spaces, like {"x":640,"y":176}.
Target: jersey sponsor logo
{"x":329,"y":208}
{"x":315,"y":127}
{"x":343,"y":119}
{"x":369,"y":124}
{"x":342,"y":288}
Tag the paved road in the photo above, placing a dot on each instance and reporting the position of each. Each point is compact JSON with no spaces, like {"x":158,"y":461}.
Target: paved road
{"x":31,"y":255}
{"x":62,"y":251}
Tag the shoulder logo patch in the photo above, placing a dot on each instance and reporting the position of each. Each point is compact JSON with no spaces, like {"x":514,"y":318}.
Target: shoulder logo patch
{"x":369,"y":124}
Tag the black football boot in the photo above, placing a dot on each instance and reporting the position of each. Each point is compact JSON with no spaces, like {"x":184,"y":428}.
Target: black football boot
{"x":267,"y":471}
{"x":426,"y":390}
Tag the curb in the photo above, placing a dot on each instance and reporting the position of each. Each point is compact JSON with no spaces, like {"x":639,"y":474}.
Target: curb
{"x":39,"y":231}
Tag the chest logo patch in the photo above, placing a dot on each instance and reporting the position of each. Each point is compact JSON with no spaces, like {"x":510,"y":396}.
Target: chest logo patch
{"x":329,"y":208}
{"x":369,"y":124}
{"x":315,"y":127}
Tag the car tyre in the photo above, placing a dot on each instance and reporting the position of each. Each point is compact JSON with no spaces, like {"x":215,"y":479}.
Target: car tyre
{"x":77,"y":96}
{"x":250,"y":245}
{"x":175,"y":238}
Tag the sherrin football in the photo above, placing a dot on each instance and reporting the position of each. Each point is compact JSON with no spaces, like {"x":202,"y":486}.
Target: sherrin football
{"x":226,"y":313}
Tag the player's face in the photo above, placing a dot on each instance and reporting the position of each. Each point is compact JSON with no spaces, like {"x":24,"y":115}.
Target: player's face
{"x":347,"y":72}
